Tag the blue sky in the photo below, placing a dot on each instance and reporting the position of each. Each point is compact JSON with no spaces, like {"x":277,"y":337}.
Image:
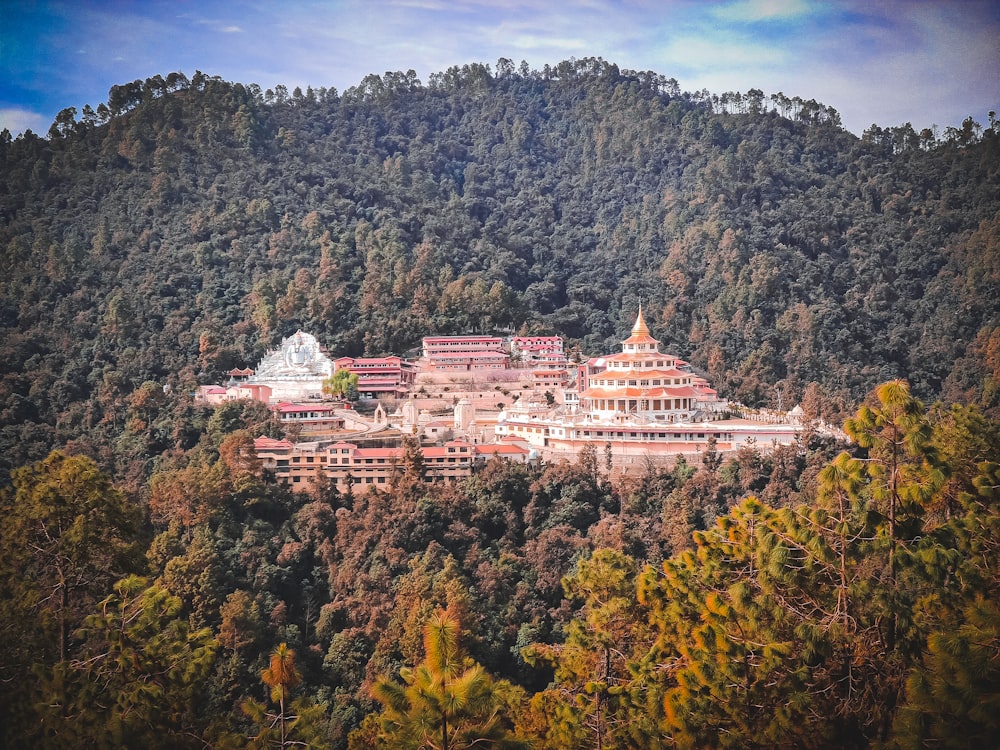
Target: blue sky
{"x":886,"y":62}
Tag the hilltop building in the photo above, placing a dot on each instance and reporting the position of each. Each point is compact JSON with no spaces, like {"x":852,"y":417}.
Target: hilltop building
{"x":641,"y":402}
{"x":380,"y":376}
{"x":217,"y":394}
{"x":295,"y":370}
{"x":464,"y":353}
{"x":539,"y":352}
{"x":348,"y":466}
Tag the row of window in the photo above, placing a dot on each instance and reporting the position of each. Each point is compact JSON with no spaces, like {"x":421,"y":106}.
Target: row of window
{"x":346,"y":460}
{"x":623,"y":383}
{"x":640,"y":365}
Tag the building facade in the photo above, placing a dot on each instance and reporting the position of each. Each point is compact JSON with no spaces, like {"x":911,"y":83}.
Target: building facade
{"x":380,"y":376}
{"x":464,"y":353}
{"x":640,"y":402}
{"x":350,"y":467}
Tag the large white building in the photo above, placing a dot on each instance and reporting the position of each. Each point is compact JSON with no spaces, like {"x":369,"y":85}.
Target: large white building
{"x":295,"y":370}
{"x":641,"y":402}
{"x":642,"y":382}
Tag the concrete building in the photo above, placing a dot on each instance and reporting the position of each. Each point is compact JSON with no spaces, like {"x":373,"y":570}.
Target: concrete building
{"x":464,"y":353}
{"x":348,"y":466}
{"x":643,"y":403}
{"x":380,"y":376}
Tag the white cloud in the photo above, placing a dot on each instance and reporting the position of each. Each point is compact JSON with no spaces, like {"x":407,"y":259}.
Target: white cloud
{"x":722,"y":52}
{"x":18,"y":120}
{"x":231,"y":29}
{"x":535,"y":42}
{"x":749,"y":11}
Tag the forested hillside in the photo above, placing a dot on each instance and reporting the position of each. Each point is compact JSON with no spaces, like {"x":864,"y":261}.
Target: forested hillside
{"x":158,"y":589}
{"x":187,"y":225}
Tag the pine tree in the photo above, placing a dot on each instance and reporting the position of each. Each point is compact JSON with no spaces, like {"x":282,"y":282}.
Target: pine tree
{"x":138,"y":679}
{"x":596,"y":700}
{"x":297,"y":723}
{"x":904,"y":473}
{"x":447,"y":702}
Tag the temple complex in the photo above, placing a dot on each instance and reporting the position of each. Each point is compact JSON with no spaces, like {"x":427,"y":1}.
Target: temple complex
{"x":643,"y":382}
{"x":642,"y":404}
{"x":295,"y":370}
{"x":638,"y":404}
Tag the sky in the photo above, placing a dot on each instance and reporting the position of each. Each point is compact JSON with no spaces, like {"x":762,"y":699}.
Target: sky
{"x":886,"y":62}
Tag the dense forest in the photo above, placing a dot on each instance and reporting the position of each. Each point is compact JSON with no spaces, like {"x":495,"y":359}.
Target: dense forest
{"x":157,"y":589}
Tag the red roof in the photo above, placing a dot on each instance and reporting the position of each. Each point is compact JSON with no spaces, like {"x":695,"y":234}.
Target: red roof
{"x":471,"y":339}
{"x":497,"y":449}
{"x":264,"y":443}
{"x":680,"y":391}
{"x":490,"y":353}
{"x":633,"y":373}
{"x":369,"y":361}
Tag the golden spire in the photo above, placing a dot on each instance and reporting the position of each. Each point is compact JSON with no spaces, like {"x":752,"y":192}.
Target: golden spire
{"x":640,"y":328}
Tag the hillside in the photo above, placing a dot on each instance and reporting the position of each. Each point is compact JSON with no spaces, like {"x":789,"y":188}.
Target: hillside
{"x":159,"y":589}
{"x":188,"y":225}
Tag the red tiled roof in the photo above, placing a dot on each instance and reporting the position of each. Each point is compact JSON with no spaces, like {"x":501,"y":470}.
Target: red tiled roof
{"x":498,"y":449}
{"x":678,"y":391}
{"x":264,"y":443}
{"x":471,"y":339}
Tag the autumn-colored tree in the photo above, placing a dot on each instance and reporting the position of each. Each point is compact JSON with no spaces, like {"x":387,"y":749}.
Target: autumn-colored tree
{"x":297,"y":723}
{"x":447,"y":702}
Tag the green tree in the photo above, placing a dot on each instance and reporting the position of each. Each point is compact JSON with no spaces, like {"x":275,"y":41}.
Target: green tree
{"x":342,"y":384}
{"x":138,"y":679}
{"x":735,"y":645}
{"x":904,"y":474}
{"x":953,"y":693}
{"x":953,"y":697}
{"x":596,"y":700}
{"x":69,"y":534}
{"x":447,"y":702}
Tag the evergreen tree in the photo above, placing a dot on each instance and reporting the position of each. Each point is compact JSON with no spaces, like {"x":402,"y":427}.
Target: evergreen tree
{"x":447,"y":702}
{"x":297,"y":723}
{"x":138,"y":680}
